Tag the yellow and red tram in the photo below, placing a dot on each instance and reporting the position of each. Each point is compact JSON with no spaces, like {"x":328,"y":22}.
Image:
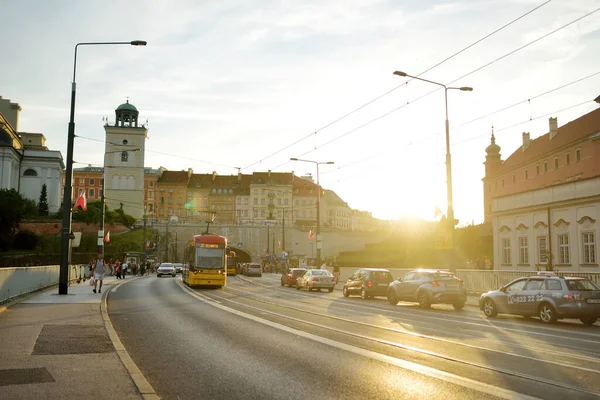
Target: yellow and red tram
{"x":206,"y":256}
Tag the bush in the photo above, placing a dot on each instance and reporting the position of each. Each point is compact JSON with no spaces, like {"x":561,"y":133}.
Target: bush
{"x":25,"y":240}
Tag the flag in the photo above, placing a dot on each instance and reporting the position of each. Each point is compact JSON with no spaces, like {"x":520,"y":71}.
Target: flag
{"x":437,"y":212}
{"x":81,"y":202}
{"x":148,"y":244}
{"x":279,"y":243}
{"x":107,"y":237}
{"x":311,"y":234}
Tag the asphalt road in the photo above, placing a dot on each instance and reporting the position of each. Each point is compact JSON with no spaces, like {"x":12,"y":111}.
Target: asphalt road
{"x":257,"y":340}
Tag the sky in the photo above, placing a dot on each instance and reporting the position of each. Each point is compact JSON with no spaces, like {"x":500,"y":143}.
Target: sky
{"x":250,"y":84}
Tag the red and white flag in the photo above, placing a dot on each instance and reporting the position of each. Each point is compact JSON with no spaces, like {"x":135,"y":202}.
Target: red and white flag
{"x":311,"y":234}
{"x":81,"y":202}
{"x":107,"y":237}
{"x":279,"y":243}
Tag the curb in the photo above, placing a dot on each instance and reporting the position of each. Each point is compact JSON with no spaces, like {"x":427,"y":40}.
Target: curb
{"x":136,"y":375}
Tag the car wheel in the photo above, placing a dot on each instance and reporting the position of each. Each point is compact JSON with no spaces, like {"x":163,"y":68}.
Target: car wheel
{"x":174,"y":275}
{"x":392,"y":298}
{"x":158,"y":275}
{"x":345,"y":291}
{"x":589,"y":321}
{"x":424,"y":301}
{"x":363,"y":294}
{"x":458,"y":305}
{"x":547,"y":314}
{"x":330,"y":290}
{"x":489,"y":308}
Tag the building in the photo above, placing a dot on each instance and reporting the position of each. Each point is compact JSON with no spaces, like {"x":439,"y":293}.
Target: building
{"x":544,"y":200}
{"x":305,"y":193}
{"x":151,"y":176}
{"x":271,"y":196}
{"x":26,"y":163}
{"x":124,"y":162}
{"x":172,"y":194}
{"x":338,"y":214}
{"x":88,"y":180}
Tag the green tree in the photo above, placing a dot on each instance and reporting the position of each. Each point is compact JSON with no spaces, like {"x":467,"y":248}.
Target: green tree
{"x":43,"y":203}
{"x":14,"y":208}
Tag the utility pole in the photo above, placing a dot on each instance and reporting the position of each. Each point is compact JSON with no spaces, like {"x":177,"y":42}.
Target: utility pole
{"x":144,"y":242}
{"x":101,"y":230}
{"x":176,"y":248}
{"x":283,"y":233}
{"x":274,"y":243}
{"x":166,"y":259}
{"x":268,"y":239}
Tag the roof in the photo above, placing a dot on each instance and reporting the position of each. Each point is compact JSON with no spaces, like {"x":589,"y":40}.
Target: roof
{"x":272,"y":178}
{"x":575,"y":130}
{"x":174,"y":177}
{"x":333,"y":198}
{"x":89,"y":168}
{"x":126,"y":107}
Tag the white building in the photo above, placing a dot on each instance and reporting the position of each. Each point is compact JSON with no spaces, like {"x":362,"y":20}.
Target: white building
{"x":26,"y":164}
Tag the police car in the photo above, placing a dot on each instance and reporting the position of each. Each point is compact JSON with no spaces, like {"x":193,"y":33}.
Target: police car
{"x":547,"y":296}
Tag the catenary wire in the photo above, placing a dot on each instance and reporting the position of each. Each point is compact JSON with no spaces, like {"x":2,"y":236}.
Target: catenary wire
{"x":397,"y":87}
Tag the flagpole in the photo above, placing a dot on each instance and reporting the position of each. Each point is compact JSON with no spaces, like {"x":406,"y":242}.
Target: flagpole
{"x":101,"y":230}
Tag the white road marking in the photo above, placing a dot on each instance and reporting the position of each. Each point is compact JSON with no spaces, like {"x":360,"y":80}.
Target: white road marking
{"x":408,"y":365}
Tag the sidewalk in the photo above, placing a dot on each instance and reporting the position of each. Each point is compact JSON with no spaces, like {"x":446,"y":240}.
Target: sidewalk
{"x":57,"y":346}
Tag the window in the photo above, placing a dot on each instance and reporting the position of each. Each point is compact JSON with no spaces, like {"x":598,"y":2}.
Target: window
{"x":534,"y":284}
{"x":553,"y":284}
{"x":563,"y":249}
{"x":514,"y":178}
{"x":92,"y":181}
{"x":255,"y":212}
{"x":589,"y":248}
{"x":577,"y":155}
{"x":526,"y":174}
{"x":31,"y":172}
{"x":545,"y":166}
{"x":245,"y":201}
{"x":541,"y":250}
{"x":496,"y":185}
{"x":517,"y":286}
{"x":101,"y":181}
{"x":503,"y":182}
{"x":170,"y":200}
{"x":150,"y":207}
{"x":285,"y":202}
{"x":160,"y":212}
{"x":125,"y":142}
{"x":556,"y":163}
{"x":124,"y":156}
{"x":278,"y":202}
{"x":151,"y":184}
{"x":523,"y":251}
{"x":255,"y":201}
{"x":162,"y":200}
{"x":262,"y":201}
{"x":91,"y":193}
{"x":81,"y":180}
{"x":567,"y":158}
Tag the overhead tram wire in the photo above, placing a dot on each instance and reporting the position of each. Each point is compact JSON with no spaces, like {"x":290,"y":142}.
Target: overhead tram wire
{"x":435,"y":90}
{"x":397,"y":87}
{"x":158,"y":152}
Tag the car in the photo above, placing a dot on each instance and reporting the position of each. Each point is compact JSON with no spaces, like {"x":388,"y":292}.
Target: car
{"x":165,"y":269}
{"x":178,"y":268}
{"x":289,"y":278}
{"x":547,"y":296}
{"x":427,"y":287}
{"x":368,"y":282}
{"x":316,"y":279}
{"x":253,"y":269}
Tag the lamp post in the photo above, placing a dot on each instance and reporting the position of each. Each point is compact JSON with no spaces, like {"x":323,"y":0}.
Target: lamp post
{"x":450,"y":212}
{"x":318,"y":228}
{"x":63,"y":279}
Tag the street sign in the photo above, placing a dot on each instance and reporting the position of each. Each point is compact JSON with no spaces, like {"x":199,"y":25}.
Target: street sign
{"x":240,"y":245}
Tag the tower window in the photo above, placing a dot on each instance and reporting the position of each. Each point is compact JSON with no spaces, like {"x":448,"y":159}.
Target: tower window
{"x":577,"y":154}
{"x":545,"y":166}
{"x":124,"y":156}
{"x":568,"y":158}
{"x":125,"y":142}
{"x":30,"y":172}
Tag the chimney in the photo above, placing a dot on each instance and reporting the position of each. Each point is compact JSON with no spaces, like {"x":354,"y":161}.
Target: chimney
{"x":553,"y":127}
{"x":190,"y":172}
{"x":239,"y":177}
{"x":526,"y":140}
{"x":214,"y":175}
{"x":269,"y":174}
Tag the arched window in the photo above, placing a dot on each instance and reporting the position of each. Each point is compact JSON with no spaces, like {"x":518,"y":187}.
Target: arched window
{"x":29,"y":172}
{"x":130,"y":183}
{"x":124,"y":156}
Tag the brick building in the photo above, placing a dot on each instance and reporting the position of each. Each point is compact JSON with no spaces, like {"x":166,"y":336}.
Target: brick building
{"x":544,"y":200}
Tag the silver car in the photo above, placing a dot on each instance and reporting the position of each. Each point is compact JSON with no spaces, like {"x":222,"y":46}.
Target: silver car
{"x":547,"y":296}
{"x":165,"y":269}
{"x":253,"y":269}
{"x":316,"y":279}
{"x":178,"y":268}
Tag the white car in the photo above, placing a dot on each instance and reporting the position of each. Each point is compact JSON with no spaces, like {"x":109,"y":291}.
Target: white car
{"x":166,"y":269}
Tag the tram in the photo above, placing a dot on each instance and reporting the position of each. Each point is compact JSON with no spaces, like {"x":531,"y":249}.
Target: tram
{"x":206,"y":261}
{"x":231,"y":262}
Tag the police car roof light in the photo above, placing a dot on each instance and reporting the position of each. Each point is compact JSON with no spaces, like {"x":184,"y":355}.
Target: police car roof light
{"x":546,"y":273}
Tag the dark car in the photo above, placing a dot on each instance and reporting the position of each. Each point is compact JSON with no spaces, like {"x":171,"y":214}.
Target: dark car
{"x":547,"y":296}
{"x":427,"y":287}
{"x":368,"y":283}
{"x":289,"y":278}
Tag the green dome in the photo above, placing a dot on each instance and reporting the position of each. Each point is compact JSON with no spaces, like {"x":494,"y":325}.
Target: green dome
{"x":126,"y":107}
{"x":493,"y":148}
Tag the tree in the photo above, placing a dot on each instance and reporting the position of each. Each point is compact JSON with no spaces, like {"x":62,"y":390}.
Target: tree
{"x":43,"y":204}
{"x":14,"y":208}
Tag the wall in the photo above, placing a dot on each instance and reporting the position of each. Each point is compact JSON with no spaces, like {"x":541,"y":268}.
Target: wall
{"x":18,"y":281}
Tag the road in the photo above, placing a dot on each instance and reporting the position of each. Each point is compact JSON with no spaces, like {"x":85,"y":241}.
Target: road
{"x":257,"y":340}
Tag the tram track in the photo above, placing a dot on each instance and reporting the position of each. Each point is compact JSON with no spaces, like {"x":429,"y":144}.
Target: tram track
{"x":369,"y":338}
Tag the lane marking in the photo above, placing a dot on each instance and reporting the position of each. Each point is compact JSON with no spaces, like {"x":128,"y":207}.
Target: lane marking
{"x":443,"y":340}
{"x":140,"y":381}
{"x":408,"y":365}
{"x":464,"y":320}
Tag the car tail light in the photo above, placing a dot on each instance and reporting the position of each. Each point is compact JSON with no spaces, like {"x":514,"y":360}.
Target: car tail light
{"x":315,"y":279}
{"x":568,"y":296}
{"x":369,"y":284}
{"x":434,"y":283}
{"x":576,"y":296}
{"x":290,"y":276}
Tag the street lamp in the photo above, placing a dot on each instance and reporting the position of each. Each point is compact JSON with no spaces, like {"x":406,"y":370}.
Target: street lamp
{"x":450,"y":212}
{"x":318,"y":230}
{"x":63,"y":279}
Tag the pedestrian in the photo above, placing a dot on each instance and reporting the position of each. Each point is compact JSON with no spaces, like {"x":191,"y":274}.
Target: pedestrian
{"x":99,"y":269}
{"x":336,"y":272}
{"x":123,"y":270}
{"x":323,"y":266}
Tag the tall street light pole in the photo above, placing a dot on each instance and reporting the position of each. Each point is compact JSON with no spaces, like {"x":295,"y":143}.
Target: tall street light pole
{"x":318,"y":227}
{"x":450,"y":212}
{"x":63,"y":278}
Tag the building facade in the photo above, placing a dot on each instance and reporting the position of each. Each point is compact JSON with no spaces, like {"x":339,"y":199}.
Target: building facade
{"x":172,"y":194}
{"x":26,"y":163}
{"x":544,"y":200}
